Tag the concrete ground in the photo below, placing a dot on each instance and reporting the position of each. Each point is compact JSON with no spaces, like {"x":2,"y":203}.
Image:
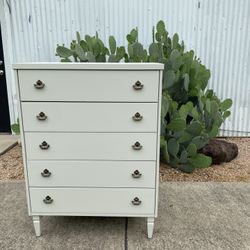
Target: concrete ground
{"x":191,"y":216}
{"x":7,"y":142}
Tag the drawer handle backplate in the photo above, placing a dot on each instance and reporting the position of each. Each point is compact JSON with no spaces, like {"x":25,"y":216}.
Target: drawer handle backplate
{"x":39,"y":84}
{"x":138,"y":85}
{"x":46,"y":173}
{"x":47,"y":200}
{"x":136,"y":201}
{"x":41,"y":116}
{"x":44,"y":145}
{"x":136,"y":174}
{"x":137,"y":146}
{"x":137,"y":116}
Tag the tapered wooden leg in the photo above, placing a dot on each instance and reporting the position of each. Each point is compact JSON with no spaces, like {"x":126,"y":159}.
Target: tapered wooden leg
{"x":36,"y":222}
{"x":150,"y":226}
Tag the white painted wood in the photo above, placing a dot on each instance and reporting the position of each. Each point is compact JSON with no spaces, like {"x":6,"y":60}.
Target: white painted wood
{"x":150,"y":226}
{"x":23,"y":143}
{"x":93,"y":200}
{"x":158,"y":145}
{"x":91,"y":146}
{"x":99,"y":86}
{"x":37,"y":226}
{"x":91,"y":117}
{"x":90,"y":157}
{"x":5,"y":22}
{"x":92,"y":174}
{"x":89,"y":66}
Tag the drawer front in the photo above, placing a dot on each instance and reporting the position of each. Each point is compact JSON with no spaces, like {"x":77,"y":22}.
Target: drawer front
{"x":80,"y":85}
{"x":138,"y":174}
{"x":90,"y":117}
{"x":91,"y":146}
{"x":93,"y":201}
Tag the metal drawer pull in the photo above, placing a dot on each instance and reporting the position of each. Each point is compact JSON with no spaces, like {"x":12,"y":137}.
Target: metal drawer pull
{"x":41,"y":116}
{"x":39,"y":84}
{"x":46,"y":173}
{"x":137,"y":146}
{"x":136,"y":174}
{"x":136,"y":201}
{"x":137,"y":117}
{"x":138,"y":85}
{"x":47,"y":200}
{"x":44,"y":145}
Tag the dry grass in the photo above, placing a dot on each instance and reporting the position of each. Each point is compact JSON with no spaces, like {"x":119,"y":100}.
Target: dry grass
{"x":11,"y":167}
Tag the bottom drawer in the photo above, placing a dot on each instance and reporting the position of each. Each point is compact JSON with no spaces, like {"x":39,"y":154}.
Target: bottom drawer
{"x":93,"y":201}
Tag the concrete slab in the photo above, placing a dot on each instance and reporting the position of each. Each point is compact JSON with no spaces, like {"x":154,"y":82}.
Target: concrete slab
{"x":197,"y":216}
{"x":7,"y":142}
{"x":191,"y":216}
{"x":67,"y":233}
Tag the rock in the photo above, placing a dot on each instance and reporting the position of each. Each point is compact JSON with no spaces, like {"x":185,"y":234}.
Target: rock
{"x":220,"y":150}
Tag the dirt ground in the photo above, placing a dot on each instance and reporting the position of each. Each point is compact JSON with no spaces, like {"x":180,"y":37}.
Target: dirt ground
{"x":11,"y":164}
{"x":236,"y":170}
{"x":11,"y":167}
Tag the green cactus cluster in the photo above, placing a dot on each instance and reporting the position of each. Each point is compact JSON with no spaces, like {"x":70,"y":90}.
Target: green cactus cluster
{"x":191,"y":113}
{"x":136,"y":52}
{"x":90,"y":49}
{"x":186,"y":128}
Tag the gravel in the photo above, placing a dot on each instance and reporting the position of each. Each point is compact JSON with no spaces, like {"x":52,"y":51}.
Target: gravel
{"x":11,"y":167}
{"x":236,"y":170}
{"x":11,"y":164}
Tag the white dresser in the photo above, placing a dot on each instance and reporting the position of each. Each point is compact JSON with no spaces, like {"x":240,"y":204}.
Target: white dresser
{"x":90,"y":136}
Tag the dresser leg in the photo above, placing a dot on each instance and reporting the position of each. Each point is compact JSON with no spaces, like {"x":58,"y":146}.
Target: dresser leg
{"x":36,"y":222}
{"x":150,"y":226}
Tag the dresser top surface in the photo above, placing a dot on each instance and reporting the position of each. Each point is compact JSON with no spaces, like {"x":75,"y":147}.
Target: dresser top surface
{"x":89,"y":66}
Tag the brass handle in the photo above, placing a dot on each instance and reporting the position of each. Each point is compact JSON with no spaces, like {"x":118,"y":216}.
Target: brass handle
{"x":137,"y":146}
{"x":41,"y":116}
{"x":138,"y":85}
{"x":44,"y":145}
{"x":136,"y":201}
{"x":137,"y":116}
{"x":46,"y":173}
{"x":47,"y":200}
{"x":136,"y":174}
{"x":39,"y":84}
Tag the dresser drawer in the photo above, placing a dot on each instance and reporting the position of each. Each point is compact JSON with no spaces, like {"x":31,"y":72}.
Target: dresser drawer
{"x":138,"y":174}
{"x":86,"y":85}
{"x":91,"y":146}
{"x":90,"y":117}
{"x":96,"y":201}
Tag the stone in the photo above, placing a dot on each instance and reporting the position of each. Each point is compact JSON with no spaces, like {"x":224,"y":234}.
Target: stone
{"x":220,"y":150}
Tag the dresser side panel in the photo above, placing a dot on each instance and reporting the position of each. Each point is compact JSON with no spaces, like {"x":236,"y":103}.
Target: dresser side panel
{"x":158,"y":144}
{"x":22,"y":137}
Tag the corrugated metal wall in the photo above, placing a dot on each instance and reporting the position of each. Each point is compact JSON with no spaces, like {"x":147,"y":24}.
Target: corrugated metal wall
{"x":218,"y":31}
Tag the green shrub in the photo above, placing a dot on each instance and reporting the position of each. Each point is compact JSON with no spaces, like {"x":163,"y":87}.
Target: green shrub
{"x":191,"y":113}
{"x":16,"y":127}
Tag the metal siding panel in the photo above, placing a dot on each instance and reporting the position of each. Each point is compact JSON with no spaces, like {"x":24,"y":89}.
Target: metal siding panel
{"x":217,"y":30}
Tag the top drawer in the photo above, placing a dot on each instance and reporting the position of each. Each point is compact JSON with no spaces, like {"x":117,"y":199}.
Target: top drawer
{"x":89,"y":85}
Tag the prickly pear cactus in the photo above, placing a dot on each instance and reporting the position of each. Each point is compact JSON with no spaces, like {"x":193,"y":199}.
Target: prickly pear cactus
{"x":89,"y":49}
{"x":191,"y":113}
